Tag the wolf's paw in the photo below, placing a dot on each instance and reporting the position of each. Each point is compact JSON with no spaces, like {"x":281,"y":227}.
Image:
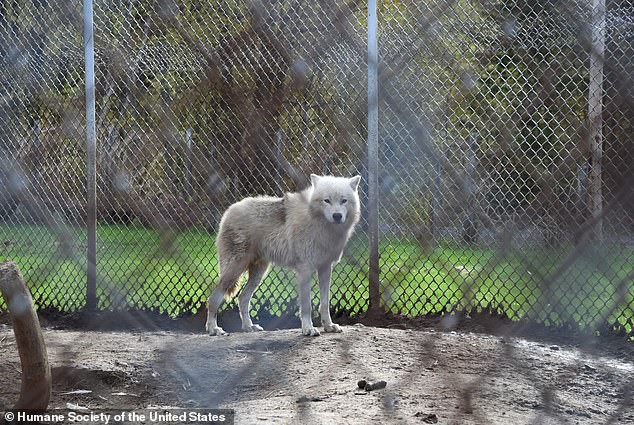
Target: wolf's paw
{"x":310,"y":331}
{"x":216,"y":330}
{"x":252,"y":328}
{"x":333,"y":328}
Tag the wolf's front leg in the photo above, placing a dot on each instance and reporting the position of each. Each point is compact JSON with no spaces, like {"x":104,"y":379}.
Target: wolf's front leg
{"x":305,"y":307}
{"x":324,"y":273}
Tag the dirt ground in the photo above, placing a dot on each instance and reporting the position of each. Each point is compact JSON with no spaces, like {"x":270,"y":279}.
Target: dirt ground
{"x":282,"y":377}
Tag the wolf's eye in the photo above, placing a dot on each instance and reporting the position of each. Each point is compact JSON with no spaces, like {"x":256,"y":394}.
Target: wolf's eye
{"x":327,"y":201}
{"x":343,"y":201}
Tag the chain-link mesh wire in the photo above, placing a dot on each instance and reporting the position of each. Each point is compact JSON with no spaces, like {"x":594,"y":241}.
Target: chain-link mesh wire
{"x":488,"y":183}
{"x":488,"y":160}
{"x":489,"y":167}
{"x":42,"y":194}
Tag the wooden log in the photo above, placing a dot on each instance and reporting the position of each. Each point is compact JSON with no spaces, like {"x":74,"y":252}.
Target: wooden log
{"x":35,"y":390}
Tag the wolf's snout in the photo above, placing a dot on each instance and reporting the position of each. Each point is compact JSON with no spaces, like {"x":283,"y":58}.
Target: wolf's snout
{"x":337,"y":217}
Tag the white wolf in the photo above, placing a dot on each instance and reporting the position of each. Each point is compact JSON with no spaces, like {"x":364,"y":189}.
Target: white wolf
{"x":305,"y":231}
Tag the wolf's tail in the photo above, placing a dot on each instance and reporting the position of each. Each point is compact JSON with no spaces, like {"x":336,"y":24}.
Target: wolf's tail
{"x":231,"y":276}
{"x":233,"y":290}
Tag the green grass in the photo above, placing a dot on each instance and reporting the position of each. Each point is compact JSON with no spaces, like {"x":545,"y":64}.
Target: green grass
{"x":523,"y":284}
{"x":172,"y":273}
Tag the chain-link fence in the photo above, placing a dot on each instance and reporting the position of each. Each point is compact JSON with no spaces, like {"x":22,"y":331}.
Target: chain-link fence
{"x":505,"y":160}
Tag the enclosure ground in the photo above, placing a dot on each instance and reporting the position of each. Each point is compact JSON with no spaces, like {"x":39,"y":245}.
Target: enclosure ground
{"x":282,"y":377}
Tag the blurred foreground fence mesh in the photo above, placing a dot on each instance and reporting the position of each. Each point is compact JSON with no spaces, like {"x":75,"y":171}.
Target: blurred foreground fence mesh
{"x":505,"y":149}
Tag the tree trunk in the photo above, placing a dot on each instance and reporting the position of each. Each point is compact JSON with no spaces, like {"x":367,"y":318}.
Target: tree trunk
{"x":35,"y":391}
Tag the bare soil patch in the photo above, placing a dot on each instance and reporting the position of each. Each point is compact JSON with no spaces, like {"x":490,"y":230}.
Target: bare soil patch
{"x":283,"y":377}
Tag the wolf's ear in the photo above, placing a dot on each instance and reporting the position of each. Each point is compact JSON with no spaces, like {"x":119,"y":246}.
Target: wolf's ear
{"x":314,"y":178}
{"x":354,"y":182}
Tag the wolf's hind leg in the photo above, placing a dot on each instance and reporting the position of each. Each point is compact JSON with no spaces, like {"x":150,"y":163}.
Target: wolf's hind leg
{"x":257,"y":271}
{"x":324,"y":274}
{"x":229,"y":275}
{"x":213,"y":302}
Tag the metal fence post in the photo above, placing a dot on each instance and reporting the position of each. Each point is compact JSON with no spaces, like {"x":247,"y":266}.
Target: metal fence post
{"x":373,"y":159}
{"x":595,"y":112}
{"x":91,"y":153}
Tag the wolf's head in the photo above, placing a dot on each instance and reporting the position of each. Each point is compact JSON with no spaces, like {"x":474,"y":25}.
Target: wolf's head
{"x":335,"y":198}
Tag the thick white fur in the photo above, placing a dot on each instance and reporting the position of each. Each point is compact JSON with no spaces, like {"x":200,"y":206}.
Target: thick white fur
{"x":305,"y":231}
